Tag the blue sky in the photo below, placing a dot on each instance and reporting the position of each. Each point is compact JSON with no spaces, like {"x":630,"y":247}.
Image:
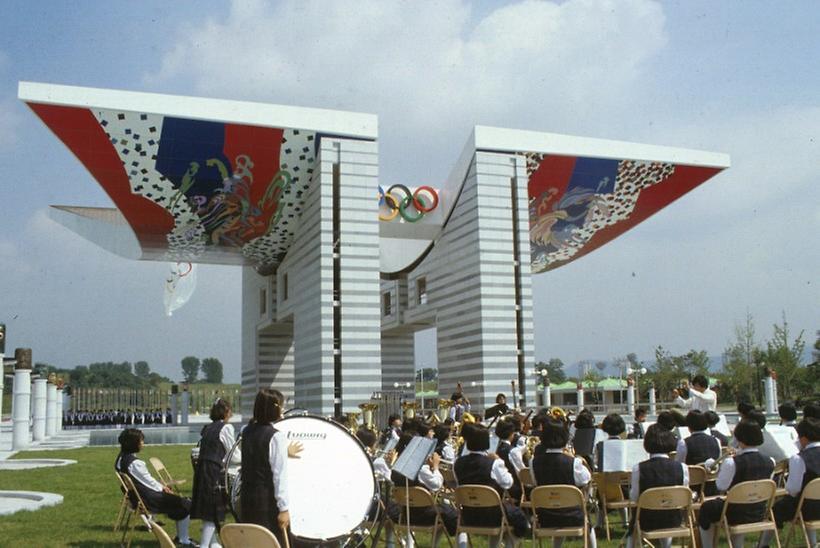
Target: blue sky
{"x":735,"y":77}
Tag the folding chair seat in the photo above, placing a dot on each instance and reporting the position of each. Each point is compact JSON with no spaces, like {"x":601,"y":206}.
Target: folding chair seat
{"x":136,"y":505}
{"x":476,"y":497}
{"x":611,"y":494}
{"x":418,"y":498}
{"x":697,"y":483}
{"x":125,"y":504}
{"x":779,"y":475}
{"x":558,"y":497}
{"x":246,"y":535}
{"x":163,"y":538}
{"x":164,"y":476}
{"x":749,"y":492}
{"x":675,"y":497}
{"x":527,"y":483}
{"x":811,"y":492}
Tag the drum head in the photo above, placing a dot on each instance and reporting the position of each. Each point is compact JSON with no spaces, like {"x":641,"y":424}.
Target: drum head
{"x":332,"y":485}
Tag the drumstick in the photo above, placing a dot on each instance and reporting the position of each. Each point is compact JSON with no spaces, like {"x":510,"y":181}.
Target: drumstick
{"x":285,"y":535}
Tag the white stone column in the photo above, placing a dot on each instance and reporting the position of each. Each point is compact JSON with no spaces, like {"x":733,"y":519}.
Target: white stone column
{"x":186,"y":399}
{"x":175,"y":408}
{"x":51,"y":409}
{"x":39,"y":396}
{"x":59,"y":426}
{"x":2,"y":380}
{"x":630,"y":398}
{"x":653,"y":408}
{"x":547,"y":395}
{"x":774,"y":391}
{"x":580,"y":392}
{"x":768,"y":388}
{"x":21,"y":402}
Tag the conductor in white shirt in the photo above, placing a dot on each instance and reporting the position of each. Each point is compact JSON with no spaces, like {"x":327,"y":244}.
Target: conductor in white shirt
{"x":701,"y":397}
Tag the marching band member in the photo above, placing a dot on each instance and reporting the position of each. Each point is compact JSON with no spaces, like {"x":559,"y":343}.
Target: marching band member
{"x":157,"y":498}
{"x":746,"y":465}
{"x":699,"y":447}
{"x":368,"y":439}
{"x":500,"y":408}
{"x":712,"y":419}
{"x":614,"y":426}
{"x":637,"y":428}
{"x":444,"y":447}
{"x":511,"y":455}
{"x":393,"y":430}
{"x":217,"y":440}
{"x":479,"y":467}
{"x":263,"y":499}
{"x":701,"y":397}
{"x":550,"y":465}
{"x":788,"y":415}
{"x":803,"y":467}
{"x":460,"y":406}
{"x":658,"y":471}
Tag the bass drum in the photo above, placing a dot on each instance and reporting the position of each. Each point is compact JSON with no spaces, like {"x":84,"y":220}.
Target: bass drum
{"x":331,"y":486}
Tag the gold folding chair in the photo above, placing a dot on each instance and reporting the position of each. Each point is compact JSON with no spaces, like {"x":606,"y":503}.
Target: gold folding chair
{"x":480,"y":496}
{"x":418,"y":497}
{"x":779,"y":475}
{"x":246,"y":535}
{"x":611,"y":495}
{"x":125,"y":504}
{"x":811,"y":492}
{"x":163,"y":538}
{"x":527,"y":482}
{"x":697,"y":483}
{"x":138,"y":507}
{"x":556,"y":497}
{"x":749,"y":492}
{"x":677,"y":497}
{"x":164,"y":476}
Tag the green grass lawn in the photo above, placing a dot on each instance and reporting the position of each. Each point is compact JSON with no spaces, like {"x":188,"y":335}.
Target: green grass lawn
{"x":92,"y":498}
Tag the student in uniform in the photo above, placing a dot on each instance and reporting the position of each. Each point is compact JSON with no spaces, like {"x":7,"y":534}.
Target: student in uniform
{"x":613,"y":425}
{"x":479,"y":467}
{"x":157,"y":498}
{"x":658,"y":471}
{"x":217,"y":440}
{"x":746,"y":465}
{"x":803,"y":467}
{"x":788,"y":414}
{"x":511,"y":455}
{"x":552,"y":466}
{"x":443,"y":446}
{"x":637,"y":426}
{"x":712,"y":419}
{"x":263,"y":499}
{"x":699,"y":447}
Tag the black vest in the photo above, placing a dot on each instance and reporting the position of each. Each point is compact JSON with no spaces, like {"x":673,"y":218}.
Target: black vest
{"x":210,"y":446}
{"x":700,"y":447}
{"x":811,"y":509}
{"x":720,"y":436}
{"x":503,"y":451}
{"x":749,"y":467}
{"x":659,"y":472}
{"x":151,"y":498}
{"x":476,"y":469}
{"x":399,"y":480}
{"x":556,"y":469}
{"x":257,"y":498}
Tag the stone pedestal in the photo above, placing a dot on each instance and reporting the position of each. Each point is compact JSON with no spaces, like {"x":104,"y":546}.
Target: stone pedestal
{"x":51,"y":409}
{"x":630,"y":400}
{"x":186,"y":399}
{"x":547,"y":396}
{"x":768,"y":390}
{"x":653,"y":408}
{"x":580,"y":392}
{"x":39,"y":397}
{"x":59,"y":409}
{"x":21,"y":402}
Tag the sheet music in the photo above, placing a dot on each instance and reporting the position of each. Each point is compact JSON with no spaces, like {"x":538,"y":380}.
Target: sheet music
{"x":683,"y":432}
{"x":390,"y":445}
{"x":778,"y":442}
{"x":622,"y":455}
{"x":723,"y":426}
{"x":493,"y":441}
{"x":645,"y":426}
{"x":414,"y":456}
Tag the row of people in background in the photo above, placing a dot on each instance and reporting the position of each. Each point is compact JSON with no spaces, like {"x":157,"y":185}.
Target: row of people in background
{"x":116,"y":417}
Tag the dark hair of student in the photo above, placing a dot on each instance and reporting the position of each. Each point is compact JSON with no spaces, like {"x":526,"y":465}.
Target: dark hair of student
{"x":392,"y":418}
{"x":441,"y":432}
{"x":479,"y":439}
{"x":744,"y":408}
{"x":666,"y":420}
{"x":422,"y":428}
{"x":787,"y":412}
{"x":696,"y":421}
{"x":759,"y":417}
{"x":811,"y":410}
{"x":404,"y":440}
{"x":748,"y":432}
{"x":467,"y":428}
{"x":220,"y":410}
{"x":809,"y":428}
{"x":267,"y":407}
{"x":499,"y":397}
{"x":504,"y":430}
{"x":130,"y":439}
{"x":712,"y":418}
{"x":700,"y":380}
{"x":640,"y":412}
{"x":449,"y":422}
{"x":613,"y":424}
{"x":585,"y":419}
{"x":659,"y":440}
{"x":367,"y":437}
{"x":456,"y":396}
{"x":554,"y":433}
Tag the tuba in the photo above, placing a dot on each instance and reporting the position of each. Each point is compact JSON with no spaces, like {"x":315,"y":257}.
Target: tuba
{"x":368,"y":411}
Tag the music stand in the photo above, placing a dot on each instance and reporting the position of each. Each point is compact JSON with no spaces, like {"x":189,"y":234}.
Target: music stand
{"x":408,"y":464}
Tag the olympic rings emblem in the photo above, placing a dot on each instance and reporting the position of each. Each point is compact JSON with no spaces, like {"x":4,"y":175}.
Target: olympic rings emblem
{"x":424,"y":200}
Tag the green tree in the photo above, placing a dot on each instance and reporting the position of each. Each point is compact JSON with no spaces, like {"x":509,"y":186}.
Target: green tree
{"x":141,"y":369}
{"x":784,"y":355}
{"x":190,"y":368}
{"x":212,"y":369}
{"x":739,"y":377}
{"x":555,"y":370}
{"x":594,"y":379}
{"x":667,"y":373}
